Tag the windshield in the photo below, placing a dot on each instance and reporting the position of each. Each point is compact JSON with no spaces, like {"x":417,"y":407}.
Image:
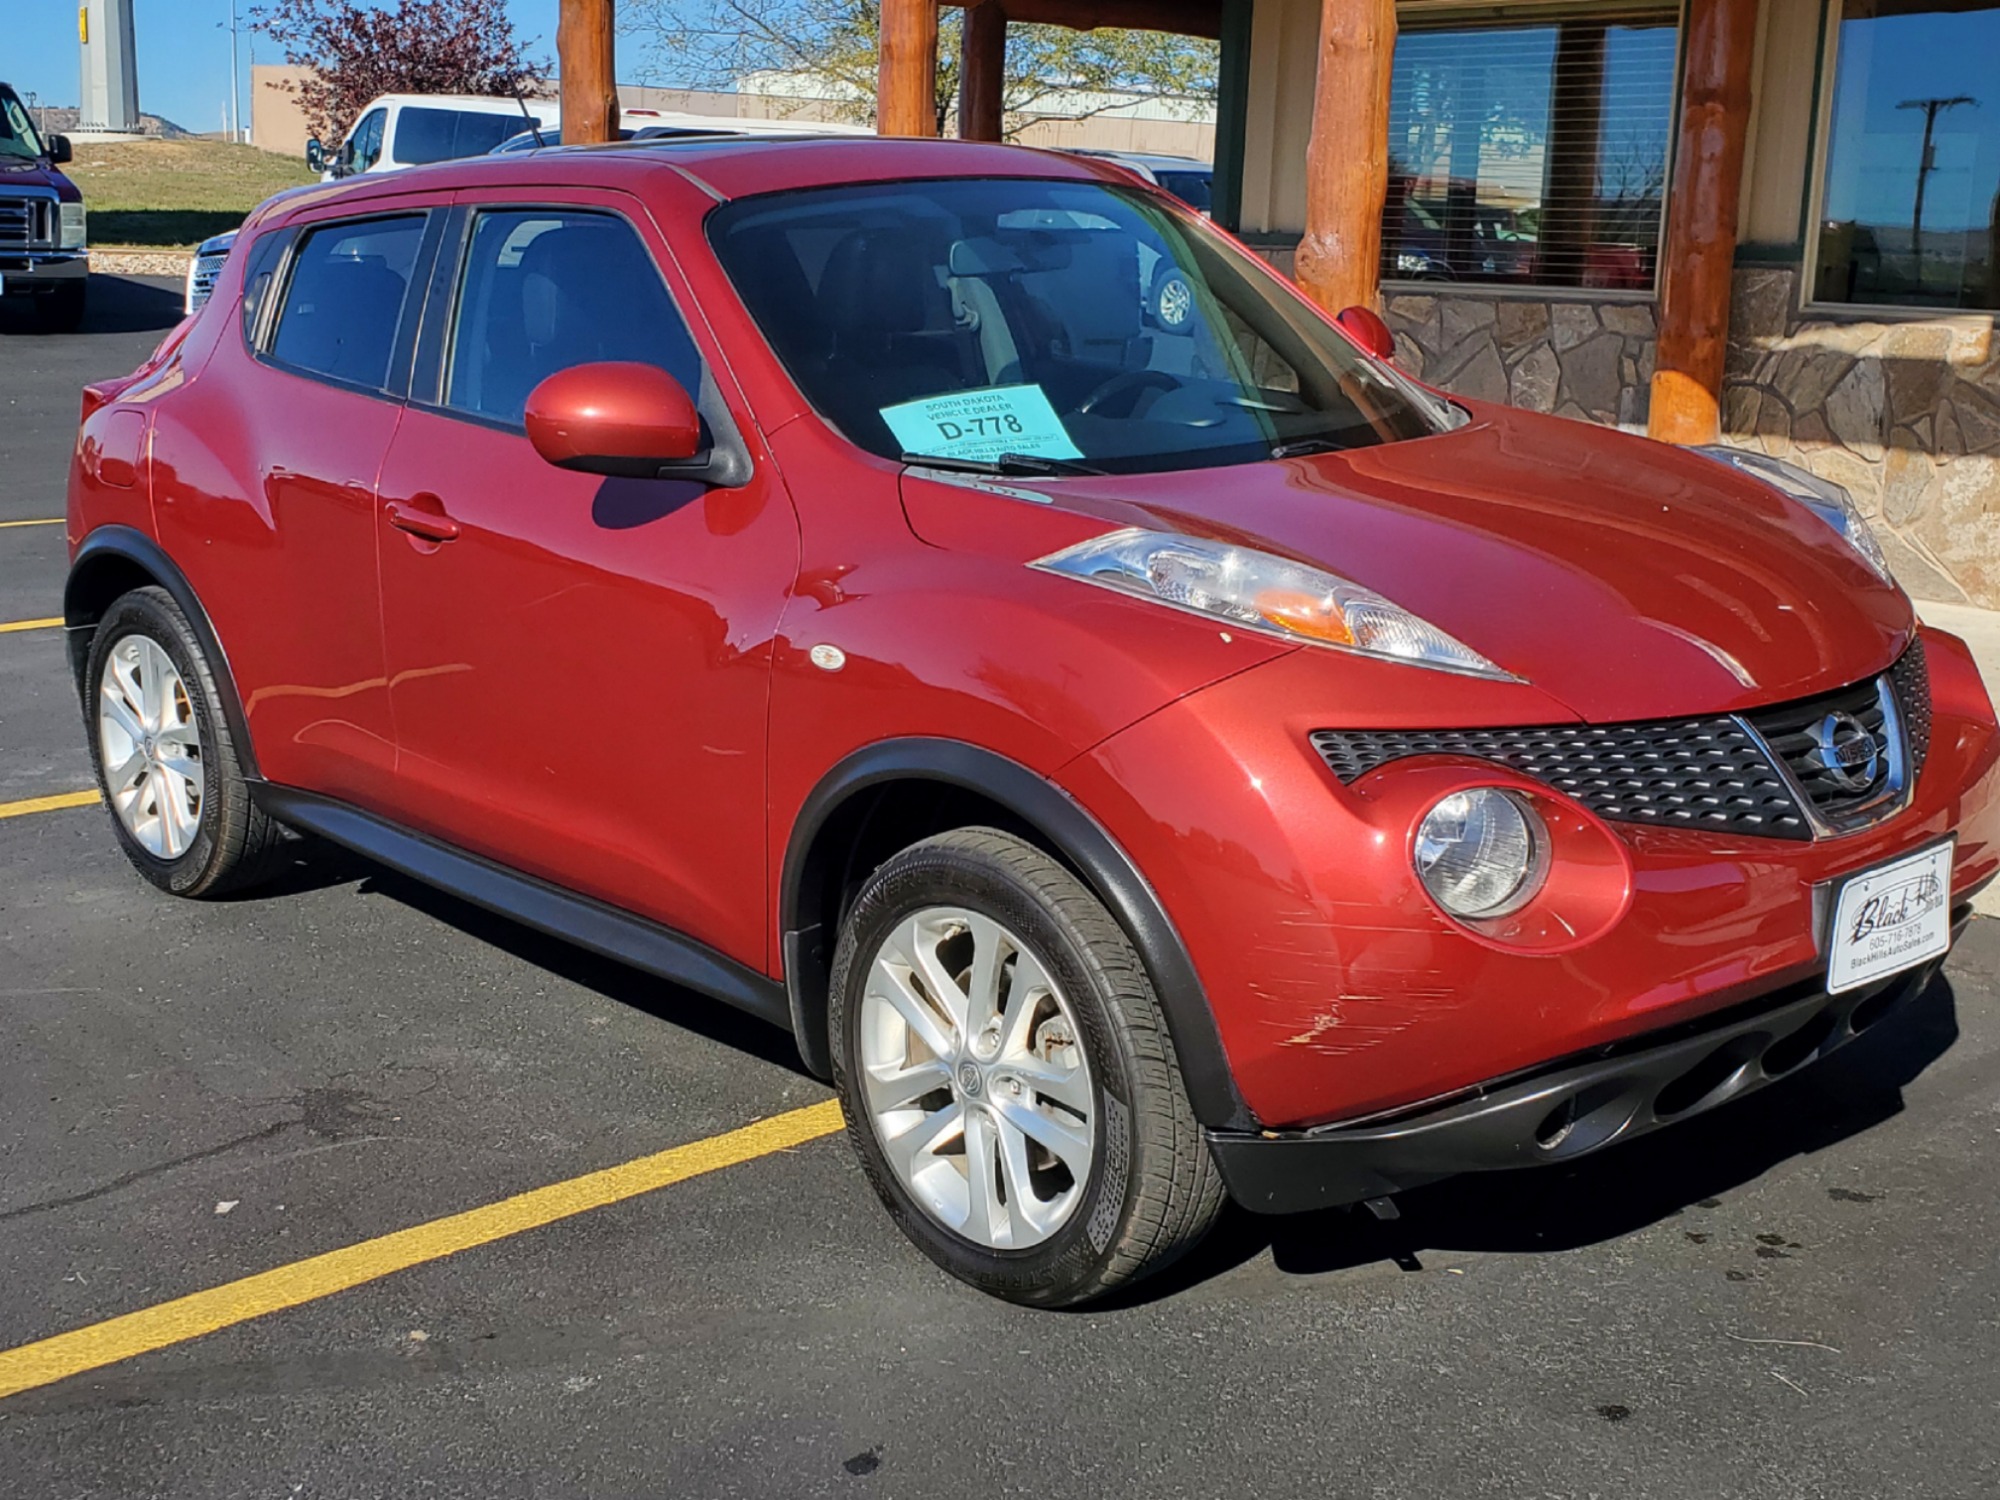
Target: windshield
{"x":1071,"y":324}
{"x":17,"y":131}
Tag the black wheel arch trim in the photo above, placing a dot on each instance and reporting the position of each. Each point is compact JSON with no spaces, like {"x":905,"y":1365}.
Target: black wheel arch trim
{"x":1076,"y":837}
{"x":588,"y":923}
{"x":129,"y":545}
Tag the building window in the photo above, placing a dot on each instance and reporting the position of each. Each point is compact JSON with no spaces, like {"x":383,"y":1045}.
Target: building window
{"x":1530,"y":154}
{"x":1910,"y":214}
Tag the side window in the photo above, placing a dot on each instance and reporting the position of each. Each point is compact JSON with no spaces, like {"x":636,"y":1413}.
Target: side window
{"x":548,"y":288}
{"x":365,"y":145}
{"x":425,"y":134}
{"x":344,"y":299}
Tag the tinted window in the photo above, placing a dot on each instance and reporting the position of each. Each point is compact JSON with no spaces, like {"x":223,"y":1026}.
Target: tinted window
{"x":1192,"y":188}
{"x":1057,"y":320}
{"x":545,"y":289}
{"x":424,"y":135}
{"x":1912,"y":203}
{"x":344,"y":300}
{"x":364,"y":147}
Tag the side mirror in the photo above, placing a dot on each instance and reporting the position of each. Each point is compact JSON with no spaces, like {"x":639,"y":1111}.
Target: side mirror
{"x":59,"y":150}
{"x":315,"y":155}
{"x":1365,"y":326}
{"x":615,"y":418}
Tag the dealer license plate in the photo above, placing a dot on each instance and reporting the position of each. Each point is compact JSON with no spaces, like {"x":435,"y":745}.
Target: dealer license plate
{"x":1891,"y":918}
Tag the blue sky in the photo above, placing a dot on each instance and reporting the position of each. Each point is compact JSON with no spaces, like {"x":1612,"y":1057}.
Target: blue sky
{"x":183,"y":52}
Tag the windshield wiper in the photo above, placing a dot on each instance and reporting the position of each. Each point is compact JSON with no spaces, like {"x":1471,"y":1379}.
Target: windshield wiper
{"x":1300,"y":447}
{"x":1015,"y":465}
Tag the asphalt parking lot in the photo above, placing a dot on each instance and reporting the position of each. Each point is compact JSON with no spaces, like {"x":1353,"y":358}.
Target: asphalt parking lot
{"x":1795,"y":1296}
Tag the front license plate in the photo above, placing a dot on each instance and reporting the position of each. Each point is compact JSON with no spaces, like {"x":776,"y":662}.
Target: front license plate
{"x":1891,"y":918}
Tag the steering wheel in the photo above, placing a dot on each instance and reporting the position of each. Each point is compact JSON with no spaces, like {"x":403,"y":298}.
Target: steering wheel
{"x":1126,"y":380}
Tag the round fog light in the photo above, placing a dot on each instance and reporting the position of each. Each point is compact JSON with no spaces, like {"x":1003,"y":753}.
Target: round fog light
{"x":1480,"y":852}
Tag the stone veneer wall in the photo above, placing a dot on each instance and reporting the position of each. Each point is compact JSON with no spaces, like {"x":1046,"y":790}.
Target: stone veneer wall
{"x":1904,"y":412}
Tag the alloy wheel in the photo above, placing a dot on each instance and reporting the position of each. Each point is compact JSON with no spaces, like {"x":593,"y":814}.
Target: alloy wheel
{"x":975,"y":1081}
{"x":150,"y":747}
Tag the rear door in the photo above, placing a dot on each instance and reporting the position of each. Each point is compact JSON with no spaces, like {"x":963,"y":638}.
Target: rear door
{"x":305,"y":409}
{"x":579,"y":665}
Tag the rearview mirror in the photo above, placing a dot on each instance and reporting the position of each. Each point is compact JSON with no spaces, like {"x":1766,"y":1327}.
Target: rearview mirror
{"x":614,"y":418}
{"x":1365,"y":326}
{"x":59,"y":150}
{"x":315,"y":155}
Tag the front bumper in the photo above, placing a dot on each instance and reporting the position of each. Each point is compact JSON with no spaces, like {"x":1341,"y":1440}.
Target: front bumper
{"x":1561,"y":1112}
{"x":41,"y":271}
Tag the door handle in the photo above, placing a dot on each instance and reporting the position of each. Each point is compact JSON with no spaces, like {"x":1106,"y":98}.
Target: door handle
{"x":422,"y":516}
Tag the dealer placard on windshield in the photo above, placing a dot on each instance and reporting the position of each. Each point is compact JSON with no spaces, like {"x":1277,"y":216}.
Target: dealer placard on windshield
{"x":982,"y":425}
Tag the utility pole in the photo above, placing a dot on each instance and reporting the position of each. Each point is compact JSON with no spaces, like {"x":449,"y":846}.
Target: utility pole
{"x":235,"y":81}
{"x":584,"y":54}
{"x":1927,"y":164}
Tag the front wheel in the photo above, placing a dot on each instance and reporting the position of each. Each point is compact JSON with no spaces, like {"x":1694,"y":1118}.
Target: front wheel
{"x":1008,"y":1081}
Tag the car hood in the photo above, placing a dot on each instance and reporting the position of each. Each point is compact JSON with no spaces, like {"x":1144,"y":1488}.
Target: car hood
{"x":1627,"y":579}
{"x":20,"y":172}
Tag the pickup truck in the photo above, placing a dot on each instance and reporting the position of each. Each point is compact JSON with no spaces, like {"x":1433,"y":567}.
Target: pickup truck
{"x":42,"y":223}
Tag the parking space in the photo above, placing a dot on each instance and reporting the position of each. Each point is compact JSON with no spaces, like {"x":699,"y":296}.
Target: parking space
{"x":1793,"y":1296}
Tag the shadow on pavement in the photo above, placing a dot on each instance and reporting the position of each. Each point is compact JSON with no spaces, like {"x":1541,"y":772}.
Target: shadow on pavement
{"x":116,"y":304}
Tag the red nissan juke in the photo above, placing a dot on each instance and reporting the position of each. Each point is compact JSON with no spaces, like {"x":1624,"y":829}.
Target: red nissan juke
{"x":1141,"y":759}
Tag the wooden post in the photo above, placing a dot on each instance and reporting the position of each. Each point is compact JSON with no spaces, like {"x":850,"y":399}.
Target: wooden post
{"x":982,"y":69}
{"x":1700,"y":253}
{"x":906,"y":79}
{"x":584,"y":54}
{"x":1347,"y":159}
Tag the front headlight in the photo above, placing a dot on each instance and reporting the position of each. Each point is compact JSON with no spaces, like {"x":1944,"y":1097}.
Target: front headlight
{"x":1479,"y":853}
{"x":1257,"y":591}
{"x":1825,"y":499}
{"x":72,"y":227}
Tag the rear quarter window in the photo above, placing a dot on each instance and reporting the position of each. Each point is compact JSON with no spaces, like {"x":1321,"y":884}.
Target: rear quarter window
{"x":427,"y":135}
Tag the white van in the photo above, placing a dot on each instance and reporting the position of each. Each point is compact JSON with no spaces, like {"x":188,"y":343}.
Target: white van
{"x":409,"y":130}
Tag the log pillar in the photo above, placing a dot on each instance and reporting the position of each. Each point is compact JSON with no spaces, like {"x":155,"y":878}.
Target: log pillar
{"x":982,"y":66}
{"x":906,"y":78}
{"x":1700,"y":251}
{"x":1347,"y":159}
{"x":584,"y":56}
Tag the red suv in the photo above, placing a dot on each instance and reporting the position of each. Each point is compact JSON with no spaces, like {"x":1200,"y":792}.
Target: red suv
{"x":1139,"y":765}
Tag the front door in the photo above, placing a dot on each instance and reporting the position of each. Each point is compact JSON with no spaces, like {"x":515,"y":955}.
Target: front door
{"x":579,"y":666}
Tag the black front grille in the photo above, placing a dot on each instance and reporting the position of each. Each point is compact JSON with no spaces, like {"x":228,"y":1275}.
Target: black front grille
{"x":1707,"y":772}
{"x":1689,"y":773}
{"x":1794,"y":732}
{"x":17,"y":225}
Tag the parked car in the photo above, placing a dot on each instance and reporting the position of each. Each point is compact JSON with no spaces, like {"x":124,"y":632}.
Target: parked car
{"x":204,"y":267}
{"x":660,"y":124}
{"x":1136,"y":769}
{"x":413,"y":130}
{"x":1187,"y":178}
{"x":43,"y":226}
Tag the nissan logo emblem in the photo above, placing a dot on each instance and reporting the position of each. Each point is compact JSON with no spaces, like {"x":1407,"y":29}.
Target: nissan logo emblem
{"x":1846,"y":752}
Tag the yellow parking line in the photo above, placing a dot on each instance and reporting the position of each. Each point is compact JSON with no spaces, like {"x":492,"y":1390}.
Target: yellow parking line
{"x":8,"y":627}
{"x":51,"y":521}
{"x":191,"y":1317}
{"x":46,"y":804}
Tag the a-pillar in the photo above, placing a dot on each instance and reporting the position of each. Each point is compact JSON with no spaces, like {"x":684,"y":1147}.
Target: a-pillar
{"x":906,"y":80}
{"x":982,"y":68}
{"x":1347,"y":158}
{"x":584,"y":54}
{"x":1700,"y":251}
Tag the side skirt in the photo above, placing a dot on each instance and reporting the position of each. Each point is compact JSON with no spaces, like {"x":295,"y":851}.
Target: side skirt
{"x":590,"y":924}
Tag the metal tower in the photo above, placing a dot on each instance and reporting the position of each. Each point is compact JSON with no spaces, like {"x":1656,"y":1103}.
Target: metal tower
{"x":110,"y":99}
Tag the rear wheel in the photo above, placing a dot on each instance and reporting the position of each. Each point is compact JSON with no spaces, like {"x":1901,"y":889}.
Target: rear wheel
{"x":1008,"y":1081}
{"x":166,"y":764}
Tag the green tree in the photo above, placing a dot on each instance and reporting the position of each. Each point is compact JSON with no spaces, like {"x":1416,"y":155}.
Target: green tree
{"x":827,"y":48}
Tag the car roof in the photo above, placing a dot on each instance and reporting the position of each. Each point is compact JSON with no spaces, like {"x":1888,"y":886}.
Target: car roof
{"x":481,"y":103}
{"x":1159,"y":161}
{"x":723,"y":166}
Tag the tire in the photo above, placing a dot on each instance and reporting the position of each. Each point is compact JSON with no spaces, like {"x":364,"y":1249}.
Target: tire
{"x":201,"y":842}
{"x":1172,"y":301}
{"x":1150,"y":1189}
{"x":61,"y":311}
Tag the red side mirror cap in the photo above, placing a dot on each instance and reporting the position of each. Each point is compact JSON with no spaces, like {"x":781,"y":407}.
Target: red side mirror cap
{"x":615,"y":417}
{"x":1365,"y":326}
